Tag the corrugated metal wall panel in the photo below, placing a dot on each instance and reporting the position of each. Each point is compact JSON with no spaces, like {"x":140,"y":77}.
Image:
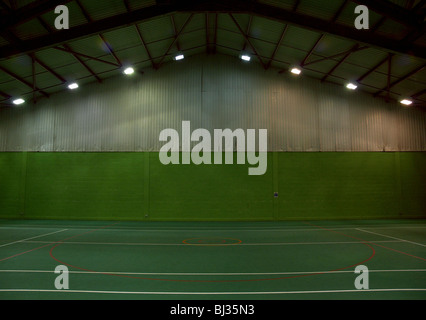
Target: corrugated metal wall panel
{"x":411,"y":131}
{"x":12,"y":123}
{"x":213,"y":92}
{"x":38,"y":128}
{"x":334,"y":123}
{"x":299,"y":122}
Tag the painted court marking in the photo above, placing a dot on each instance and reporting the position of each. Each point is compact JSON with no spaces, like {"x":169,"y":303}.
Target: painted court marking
{"x":43,"y":235}
{"x":241,"y":244}
{"x":383,"y":235}
{"x":211,"y":273}
{"x":214,"y":293}
{"x":237,"y":280}
{"x":218,"y":228}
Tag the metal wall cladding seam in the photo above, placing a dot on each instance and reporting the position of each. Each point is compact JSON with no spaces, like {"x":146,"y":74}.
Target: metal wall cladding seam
{"x":298,"y":124}
{"x":13,"y":134}
{"x":38,"y":128}
{"x":391,"y":128}
{"x":367,"y":124}
{"x":333,"y":119}
{"x":212,"y":92}
{"x":411,"y":131}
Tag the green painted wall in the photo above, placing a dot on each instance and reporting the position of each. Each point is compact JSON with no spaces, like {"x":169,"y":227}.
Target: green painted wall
{"x":136,"y":186}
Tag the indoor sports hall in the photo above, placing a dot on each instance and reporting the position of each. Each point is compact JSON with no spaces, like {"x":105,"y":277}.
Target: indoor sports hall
{"x":212,"y":150}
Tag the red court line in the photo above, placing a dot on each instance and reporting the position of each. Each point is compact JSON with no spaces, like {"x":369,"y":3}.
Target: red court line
{"x":53,"y":242}
{"x":18,"y":254}
{"x":407,"y":254}
{"x":238,"y":280}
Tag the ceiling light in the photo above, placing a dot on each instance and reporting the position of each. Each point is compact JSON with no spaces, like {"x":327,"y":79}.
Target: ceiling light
{"x":296,"y":71}
{"x":73,"y":86}
{"x":128,"y":70}
{"x":406,"y":102}
{"x":245,"y":57}
{"x":179,"y":57}
{"x":351,"y":86}
{"x":18,"y":101}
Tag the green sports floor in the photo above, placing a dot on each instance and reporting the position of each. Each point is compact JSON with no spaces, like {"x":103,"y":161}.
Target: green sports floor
{"x":213,"y":260}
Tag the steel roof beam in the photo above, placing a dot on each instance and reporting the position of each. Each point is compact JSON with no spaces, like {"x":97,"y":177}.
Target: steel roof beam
{"x":418,"y":94}
{"x":365,"y":75}
{"x":408,"y":75}
{"x":296,"y":5}
{"x":76,"y":56}
{"x":312,"y":50}
{"x":277,"y":47}
{"x":175,"y":39}
{"x":390,"y":56}
{"x":28,"y":12}
{"x":58,"y":76}
{"x":393,"y":11}
{"x":335,"y":16}
{"x":248,"y":41}
{"x":248,"y":31}
{"x":172,"y":19}
{"x":207,"y":33}
{"x":145,"y":47}
{"x":230,"y":6}
{"x":323,"y":26}
{"x":378,"y":24}
{"x":339,"y":11}
{"x":28,"y":84}
{"x":215,"y":34}
{"x":14,"y":40}
{"x":354,"y":48}
{"x":91,"y":28}
{"x":69,"y":50}
{"x":90,"y":20}
{"x":4,"y":94}
{"x":34,"y":78}
{"x":127,"y":5}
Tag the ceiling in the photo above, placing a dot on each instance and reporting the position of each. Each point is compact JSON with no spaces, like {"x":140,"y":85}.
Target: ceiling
{"x":388,"y":60}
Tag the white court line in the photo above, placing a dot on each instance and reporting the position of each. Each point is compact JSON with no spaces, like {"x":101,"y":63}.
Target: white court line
{"x":313,"y":229}
{"x":213,"y":229}
{"x":46,"y":234}
{"x":210,"y":273}
{"x":383,"y":235}
{"x":214,"y":245}
{"x":213,"y":293}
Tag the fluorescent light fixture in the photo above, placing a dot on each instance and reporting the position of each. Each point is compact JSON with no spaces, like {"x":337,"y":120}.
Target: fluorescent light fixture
{"x":245,"y":57}
{"x":179,"y":57}
{"x":296,"y":71}
{"x":18,"y":101}
{"x":73,"y":86}
{"x":406,"y":102}
{"x":351,"y":86}
{"x":128,"y":70}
